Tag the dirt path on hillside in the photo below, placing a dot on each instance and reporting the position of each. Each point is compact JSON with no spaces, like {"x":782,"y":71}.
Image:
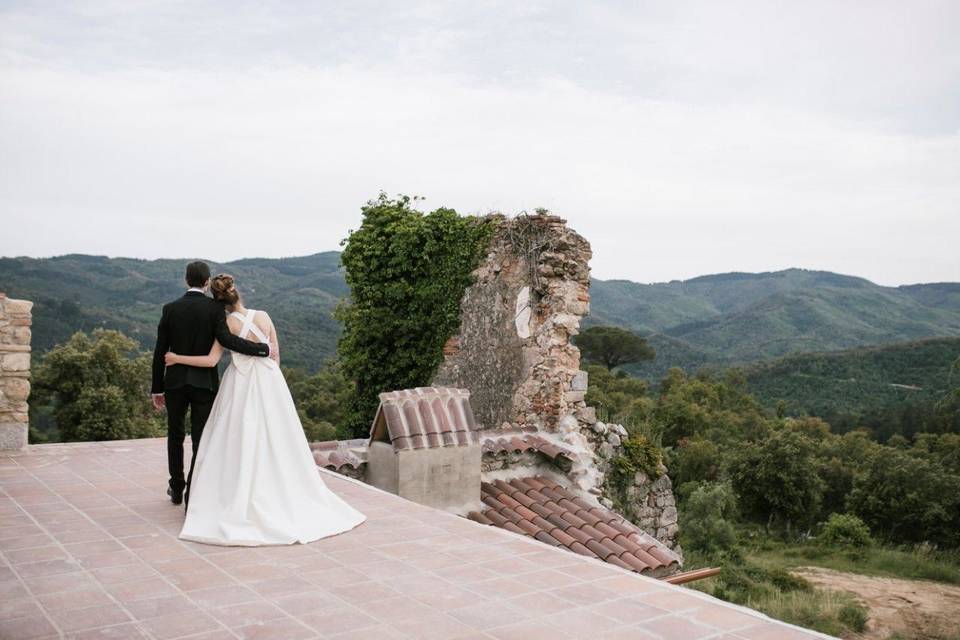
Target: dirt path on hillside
{"x":917,"y":609}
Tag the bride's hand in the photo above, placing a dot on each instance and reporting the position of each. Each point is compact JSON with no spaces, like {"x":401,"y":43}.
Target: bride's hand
{"x":170,"y":358}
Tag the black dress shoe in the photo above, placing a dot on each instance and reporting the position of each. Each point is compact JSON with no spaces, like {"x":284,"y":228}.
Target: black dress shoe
{"x":175,"y":498}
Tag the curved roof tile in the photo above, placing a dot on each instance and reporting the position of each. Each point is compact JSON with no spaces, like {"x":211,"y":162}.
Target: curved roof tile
{"x":542,"y":509}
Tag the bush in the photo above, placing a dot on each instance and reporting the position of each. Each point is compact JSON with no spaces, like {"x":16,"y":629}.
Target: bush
{"x":853,"y":616}
{"x":845,"y":530}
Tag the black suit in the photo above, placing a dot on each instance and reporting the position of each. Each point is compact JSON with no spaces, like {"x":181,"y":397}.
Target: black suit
{"x":188,"y":327}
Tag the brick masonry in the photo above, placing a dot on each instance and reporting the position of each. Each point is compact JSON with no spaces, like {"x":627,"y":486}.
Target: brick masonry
{"x":15,"y":321}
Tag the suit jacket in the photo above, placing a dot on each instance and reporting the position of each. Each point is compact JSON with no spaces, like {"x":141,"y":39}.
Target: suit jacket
{"x":188,"y":327}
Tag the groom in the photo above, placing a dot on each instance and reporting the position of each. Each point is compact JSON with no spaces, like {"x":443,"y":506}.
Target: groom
{"x":188,"y":327}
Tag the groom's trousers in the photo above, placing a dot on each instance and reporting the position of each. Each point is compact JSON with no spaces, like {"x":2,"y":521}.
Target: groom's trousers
{"x":199,"y":402}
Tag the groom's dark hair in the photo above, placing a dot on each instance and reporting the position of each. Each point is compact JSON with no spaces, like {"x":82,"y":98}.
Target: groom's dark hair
{"x":198,"y":273}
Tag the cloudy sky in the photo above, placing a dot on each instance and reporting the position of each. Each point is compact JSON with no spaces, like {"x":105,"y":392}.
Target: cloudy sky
{"x":681,"y":138}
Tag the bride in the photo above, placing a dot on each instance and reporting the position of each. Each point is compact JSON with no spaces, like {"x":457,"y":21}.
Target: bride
{"x":255,"y":482}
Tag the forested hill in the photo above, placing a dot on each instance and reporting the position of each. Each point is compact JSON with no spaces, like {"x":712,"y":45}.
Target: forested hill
{"x":712,"y":320}
{"x":894,"y":388}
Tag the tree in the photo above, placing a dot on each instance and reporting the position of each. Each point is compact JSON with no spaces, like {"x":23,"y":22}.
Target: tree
{"x":905,"y":498}
{"x":613,"y":346}
{"x":706,"y":520}
{"x":100,"y":388}
{"x":776,"y":479}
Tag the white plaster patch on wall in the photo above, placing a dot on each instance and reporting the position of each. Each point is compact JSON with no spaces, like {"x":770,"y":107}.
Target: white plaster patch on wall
{"x":522,"y":313}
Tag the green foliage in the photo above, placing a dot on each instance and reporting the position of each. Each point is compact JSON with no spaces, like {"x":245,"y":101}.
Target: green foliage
{"x":407,"y":272}
{"x":96,"y":387}
{"x":638,"y":455}
{"x":321,"y":400}
{"x":619,"y":398}
{"x":845,"y":530}
{"x":612,"y":346}
{"x":706,"y":525}
{"x":718,"y":409}
{"x":697,"y":460}
{"x":776,"y":479}
{"x":908,"y":499}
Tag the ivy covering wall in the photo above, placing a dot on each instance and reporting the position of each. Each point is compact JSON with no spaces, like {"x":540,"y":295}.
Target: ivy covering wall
{"x":407,"y":271}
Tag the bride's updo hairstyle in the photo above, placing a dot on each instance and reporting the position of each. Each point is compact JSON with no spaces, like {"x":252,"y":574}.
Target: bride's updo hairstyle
{"x":224,"y":290}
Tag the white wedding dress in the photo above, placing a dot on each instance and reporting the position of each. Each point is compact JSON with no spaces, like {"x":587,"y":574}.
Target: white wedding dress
{"x":255,"y":481}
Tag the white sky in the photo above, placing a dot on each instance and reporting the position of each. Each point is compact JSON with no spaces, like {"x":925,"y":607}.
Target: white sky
{"x":681,"y":138}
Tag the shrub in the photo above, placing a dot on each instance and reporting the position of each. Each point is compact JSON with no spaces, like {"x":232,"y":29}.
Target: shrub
{"x":845,"y":530}
{"x":705,"y":525}
{"x":854,"y":616}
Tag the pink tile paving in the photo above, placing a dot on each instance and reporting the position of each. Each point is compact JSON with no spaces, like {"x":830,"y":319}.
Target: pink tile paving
{"x":88,"y":549}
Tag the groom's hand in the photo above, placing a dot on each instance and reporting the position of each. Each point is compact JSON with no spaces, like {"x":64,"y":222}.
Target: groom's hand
{"x":159,"y":401}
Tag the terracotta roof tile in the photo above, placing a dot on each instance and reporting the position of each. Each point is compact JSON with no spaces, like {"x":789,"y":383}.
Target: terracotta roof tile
{"x":542,"y":509}
{"x":425,"y":418}
{"x":337,"y":454}
{"x":519,"y":441}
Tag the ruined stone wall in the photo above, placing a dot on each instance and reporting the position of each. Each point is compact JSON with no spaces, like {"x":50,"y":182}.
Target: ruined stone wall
{"x":15,"y":322}
{"x":514,"y":353}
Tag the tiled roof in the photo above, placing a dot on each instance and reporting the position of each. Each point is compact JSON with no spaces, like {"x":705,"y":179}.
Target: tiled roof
{"x":497,"y":441}
{"x":336,"y":454}
{"x":425,"y":418}
{"x":542,"y":509}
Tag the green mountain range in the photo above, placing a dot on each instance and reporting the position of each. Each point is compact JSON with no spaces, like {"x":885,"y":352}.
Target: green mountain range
{"x":80,"y":292}
{"x":710,"y":321}
{"x":736,"y":318}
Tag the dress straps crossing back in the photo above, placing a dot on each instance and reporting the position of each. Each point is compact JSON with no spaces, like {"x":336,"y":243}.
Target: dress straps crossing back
{"x":249,"y":327}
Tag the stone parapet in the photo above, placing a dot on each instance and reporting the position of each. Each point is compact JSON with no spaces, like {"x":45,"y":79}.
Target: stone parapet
{"x":15,"y":321}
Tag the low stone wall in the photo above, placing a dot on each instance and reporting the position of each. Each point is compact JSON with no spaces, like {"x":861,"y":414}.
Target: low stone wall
{"x":647,"y":502}
{"x":15,"y":323}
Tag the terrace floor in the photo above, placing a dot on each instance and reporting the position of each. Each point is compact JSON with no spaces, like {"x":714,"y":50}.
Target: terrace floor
{"x":89,"y":549}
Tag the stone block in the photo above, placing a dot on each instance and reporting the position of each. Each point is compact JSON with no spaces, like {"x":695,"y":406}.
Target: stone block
{"x":15,"y":362}
{"x":13,"y":436}
{"x":17,"y":307}
{"x":587,"y":415}
{"x":16,"y":389}
{"x":613,"y":439}
{"x":573,"y":396}
{"x":579,"y":382}
{"x":669,"y":515}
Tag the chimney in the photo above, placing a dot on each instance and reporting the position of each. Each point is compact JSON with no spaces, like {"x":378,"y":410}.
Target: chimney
{"x":424,"y":447}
